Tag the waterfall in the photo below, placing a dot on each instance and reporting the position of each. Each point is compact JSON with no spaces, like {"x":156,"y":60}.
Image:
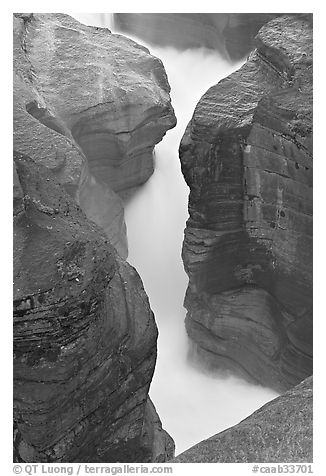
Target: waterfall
{"x":192,"y":405}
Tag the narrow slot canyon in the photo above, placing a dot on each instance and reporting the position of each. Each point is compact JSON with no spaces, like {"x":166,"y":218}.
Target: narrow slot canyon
{"x":162,"y":231}
{"x":157,"y":215}
{"x":192,"y":402}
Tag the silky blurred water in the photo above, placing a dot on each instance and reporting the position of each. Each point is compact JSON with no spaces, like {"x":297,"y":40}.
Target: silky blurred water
{"x":192,"y":405}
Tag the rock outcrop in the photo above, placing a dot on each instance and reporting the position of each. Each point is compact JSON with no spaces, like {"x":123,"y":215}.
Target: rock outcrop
{"x":84,"y":336}
{"x":247,"y":158}
{"x":279,"y":432}
{"x":231,"y":34}
{"x":91,"y":105}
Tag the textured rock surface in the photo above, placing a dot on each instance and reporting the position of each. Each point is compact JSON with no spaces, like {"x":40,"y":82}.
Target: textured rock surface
{"x":279,"y":432}
{"x":88,"y":104}
{"x":247,"y":158}
{"x":84,"y":336}
{"x":230,"y":33}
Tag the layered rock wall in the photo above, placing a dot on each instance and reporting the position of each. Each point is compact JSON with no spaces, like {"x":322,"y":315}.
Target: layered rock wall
{"x":247,"y":158}
{"x":90,"y":105}
{"x":84,"y":336}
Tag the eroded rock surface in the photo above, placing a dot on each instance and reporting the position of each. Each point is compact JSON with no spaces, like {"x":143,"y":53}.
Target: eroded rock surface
{"x":279,"y":432}
{"x":84,"y":336}
{"x":247,"y":158}
{"x":231,"y":34}
{"x":88,"y":104}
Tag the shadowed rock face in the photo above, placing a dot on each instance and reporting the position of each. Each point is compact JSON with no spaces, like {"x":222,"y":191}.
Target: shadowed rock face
{"x":91,"y":106}
{"x":84,"y":336}
{"x":247,"y":158}
{"x":229,"y":33}
{"x":240,"y":31}
{"x":279,"y":432}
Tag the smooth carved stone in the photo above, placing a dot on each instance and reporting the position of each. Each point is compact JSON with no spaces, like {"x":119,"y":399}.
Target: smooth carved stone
{"x":231,"y":34}
{"x":109,"y":91}
{"x":248,"y":323}
{"x":37,"y":132}
{"x":161,"y":444}
{"x":105,"y":208}
{"x":88,"y":104}
{"x":247,"y":158}
{"x":279,"y":432}
{"x":84,"y":336}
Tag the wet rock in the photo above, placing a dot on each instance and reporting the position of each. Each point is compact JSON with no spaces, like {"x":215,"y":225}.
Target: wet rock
{"x":106,"y":209}
{"x":88,"y":103}
{"x":84,"y":336}
{"x":247,"y":158}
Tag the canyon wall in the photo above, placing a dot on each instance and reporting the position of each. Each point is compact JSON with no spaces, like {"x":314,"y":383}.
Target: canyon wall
{"x":247,"y":158}
{"x":279,"y":432}
{"x":84,"y":336}
{"x":90,"y":105}
{"x":231,"y":34}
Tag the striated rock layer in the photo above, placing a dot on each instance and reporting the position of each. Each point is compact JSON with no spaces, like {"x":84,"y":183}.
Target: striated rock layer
{"x":84,"y":336}
{"x":229,"y":33}
{"x":279,"y":432}
{"x":247,"y":158}
{"x":91,"y":106}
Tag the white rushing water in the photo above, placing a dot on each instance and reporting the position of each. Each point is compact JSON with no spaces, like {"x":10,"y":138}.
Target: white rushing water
{"x":192,"y":405}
